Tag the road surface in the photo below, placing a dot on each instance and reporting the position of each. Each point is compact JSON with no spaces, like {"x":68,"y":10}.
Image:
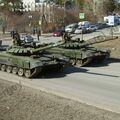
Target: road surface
{"x":98,"y":86}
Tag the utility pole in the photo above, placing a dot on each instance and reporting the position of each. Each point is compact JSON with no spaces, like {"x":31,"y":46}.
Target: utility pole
{"x":42,"y":17}
{"x":64,"y":12}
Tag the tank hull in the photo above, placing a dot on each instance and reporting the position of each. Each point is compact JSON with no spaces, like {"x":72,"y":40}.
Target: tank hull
{"x":83,"y":56}
{"x":29,"y":66}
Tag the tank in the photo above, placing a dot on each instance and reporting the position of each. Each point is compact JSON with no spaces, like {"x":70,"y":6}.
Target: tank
{"x":31,"y":61}
{"x":82,"y":53}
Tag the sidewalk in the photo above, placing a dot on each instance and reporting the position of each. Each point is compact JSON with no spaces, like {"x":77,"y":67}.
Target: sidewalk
{"x":7,"y":36}
{"x":44,"y":35}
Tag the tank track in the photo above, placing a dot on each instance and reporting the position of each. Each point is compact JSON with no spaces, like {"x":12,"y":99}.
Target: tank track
{"x":28,"y":73}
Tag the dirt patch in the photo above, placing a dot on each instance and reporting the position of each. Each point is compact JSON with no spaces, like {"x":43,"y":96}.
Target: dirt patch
{"x":113,"y":46}
{"x":21,"y":103}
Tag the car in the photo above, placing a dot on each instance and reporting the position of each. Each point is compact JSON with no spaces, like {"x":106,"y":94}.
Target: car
{"x":84,"y":23}
{"x":81,"y":29}
{"x":27,"y":40}
{"x":71,"y":28}
{"x":101,"y":25}
{"x":92,"y":28}
{"x":58,"y":33}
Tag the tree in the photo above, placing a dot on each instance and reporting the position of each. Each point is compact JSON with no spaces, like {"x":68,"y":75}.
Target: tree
{"x":109,"y":6}
{"x":11,"y":5}
{"x":80,"y":3}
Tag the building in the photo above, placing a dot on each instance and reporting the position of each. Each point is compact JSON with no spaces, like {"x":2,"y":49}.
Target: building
{"x":33,"y":5}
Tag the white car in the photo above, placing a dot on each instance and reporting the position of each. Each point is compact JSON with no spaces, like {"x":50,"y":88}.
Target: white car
{"x":71,"y":28}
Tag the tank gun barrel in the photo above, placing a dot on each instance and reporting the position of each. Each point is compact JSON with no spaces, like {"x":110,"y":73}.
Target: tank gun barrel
{"x":77,"y":43}
{"x":97,"y":39}
{"x":51,"y":45}
{"x":27,"y":51}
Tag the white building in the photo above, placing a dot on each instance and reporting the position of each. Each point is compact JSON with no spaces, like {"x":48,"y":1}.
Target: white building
{"x":33,"y":5}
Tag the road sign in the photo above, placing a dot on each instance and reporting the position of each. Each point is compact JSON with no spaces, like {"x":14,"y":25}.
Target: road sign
{"x":81,"y":15}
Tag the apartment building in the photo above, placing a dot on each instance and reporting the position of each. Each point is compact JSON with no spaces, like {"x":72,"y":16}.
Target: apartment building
{"x":33,"y":5}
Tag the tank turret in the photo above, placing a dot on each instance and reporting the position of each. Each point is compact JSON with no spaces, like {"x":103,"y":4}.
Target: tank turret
{"x":21,"y":50}
{"x":77,"y":43}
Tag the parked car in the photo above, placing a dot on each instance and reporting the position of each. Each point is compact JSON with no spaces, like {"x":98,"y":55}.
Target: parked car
{"x":27,"y":41}
{"x":27,"y":38}
{"x":58,"y":33}
{"x":81,"y":29}
{"x":101,"y":25}
{"x":92,"y":28}
{"x":71,"y":28}
{"x":84,"y":23}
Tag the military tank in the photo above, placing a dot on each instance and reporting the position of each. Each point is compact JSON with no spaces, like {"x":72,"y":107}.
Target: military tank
{"x":31,"y":61}
{"x":80,"y":52}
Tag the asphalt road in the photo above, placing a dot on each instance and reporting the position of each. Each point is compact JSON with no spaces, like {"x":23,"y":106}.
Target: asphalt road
{"x":98,"y":86}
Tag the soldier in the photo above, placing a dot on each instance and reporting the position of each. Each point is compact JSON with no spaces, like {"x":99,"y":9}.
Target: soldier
{"x":12,"y":34}
{"x":66,"y":37}
{"x":38,"y":34}
{"x":16,"y":39}
{"x":34,"y":31}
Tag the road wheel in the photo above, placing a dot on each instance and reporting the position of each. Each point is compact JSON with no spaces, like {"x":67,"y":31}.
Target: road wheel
{"x":9,"y":69}
{"x":14,"y":70}
{"x":20,"y":72}
{"x":72,"y":62}
{"x":84,"y":62}
{"x":27,"y":73}
{"x":3,"y":67}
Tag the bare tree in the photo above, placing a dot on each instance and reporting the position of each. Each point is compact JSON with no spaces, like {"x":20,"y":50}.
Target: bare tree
{"x":109,"y":6}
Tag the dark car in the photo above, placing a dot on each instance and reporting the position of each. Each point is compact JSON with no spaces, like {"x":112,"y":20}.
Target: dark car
{"x":58,"y":33}
{"x":101,"y":25}
{"x":92,"y":28}
{"x":27,"y":40}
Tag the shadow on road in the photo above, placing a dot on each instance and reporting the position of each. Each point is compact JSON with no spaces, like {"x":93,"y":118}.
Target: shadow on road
{"x":102,"y":74}
{"x":106,"y":62}
{"x":84,"y":70}
{"x":61,"y":73}
{"x":71,"y":69}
